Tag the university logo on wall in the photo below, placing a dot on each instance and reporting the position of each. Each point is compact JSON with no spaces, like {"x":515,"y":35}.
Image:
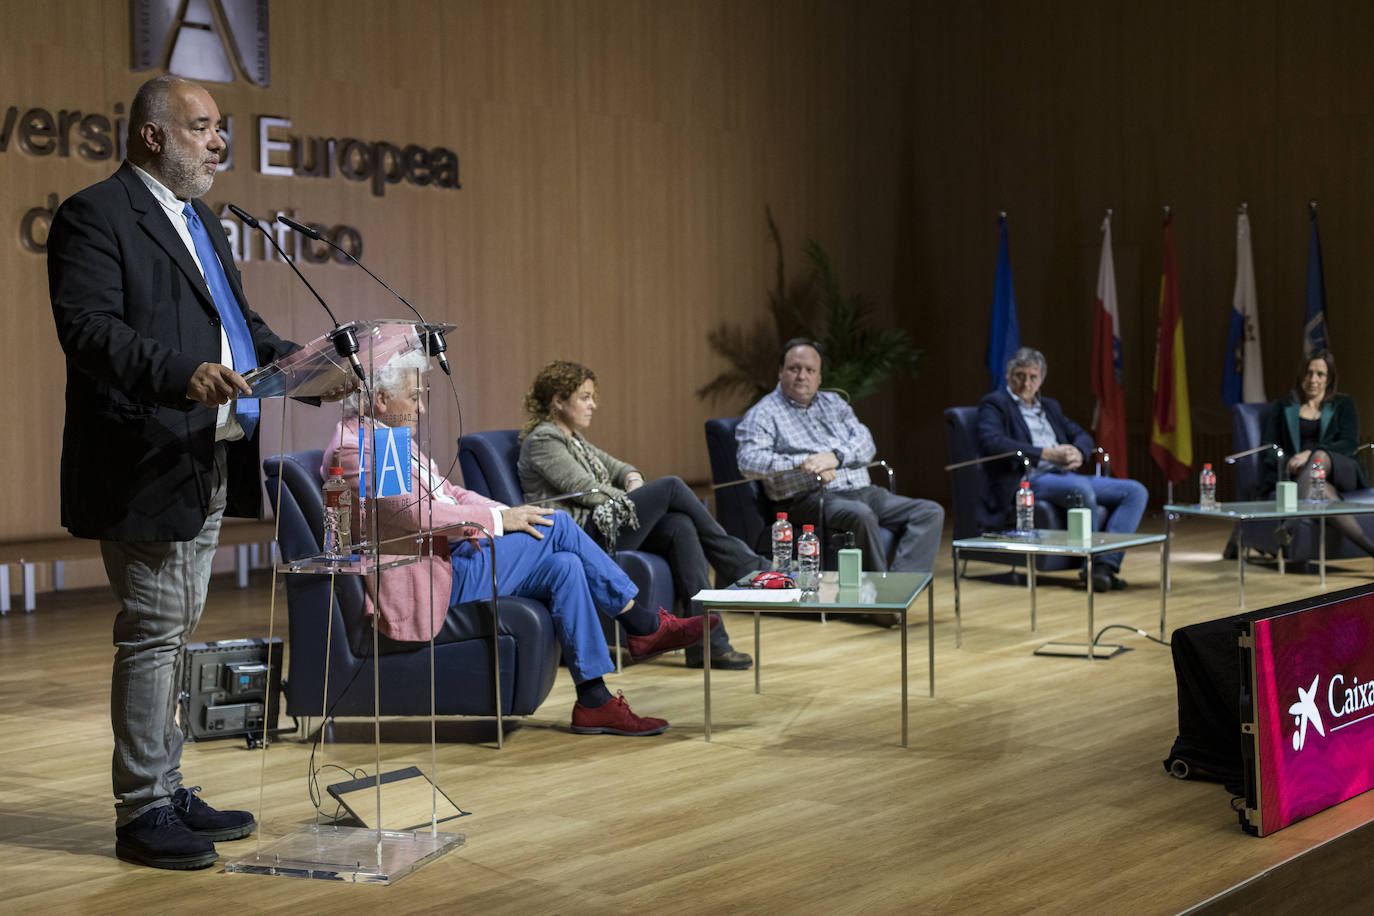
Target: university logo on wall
{"x":218,"y":41}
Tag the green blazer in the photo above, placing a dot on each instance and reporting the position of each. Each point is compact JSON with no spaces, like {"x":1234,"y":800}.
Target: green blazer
{"x":549,"y":467}
{"x":1339,"y":434}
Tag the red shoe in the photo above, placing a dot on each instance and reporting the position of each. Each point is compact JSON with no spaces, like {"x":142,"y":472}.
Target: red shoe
{"x":614,"y":718}
{"x":673,"y":633}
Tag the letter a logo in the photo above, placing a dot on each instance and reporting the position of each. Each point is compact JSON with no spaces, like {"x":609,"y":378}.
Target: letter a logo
{"x":213,"y":40}
{"x":392,"y":461}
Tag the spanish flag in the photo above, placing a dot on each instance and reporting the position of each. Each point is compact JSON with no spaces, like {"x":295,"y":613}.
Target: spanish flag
{"x":1171,"y":429}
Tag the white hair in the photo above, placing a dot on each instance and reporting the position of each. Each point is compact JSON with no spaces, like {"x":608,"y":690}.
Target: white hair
{"x":395,"y":377}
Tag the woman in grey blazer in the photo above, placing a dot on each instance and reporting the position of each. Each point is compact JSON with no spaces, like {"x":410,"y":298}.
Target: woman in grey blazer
{"x":662,"y":516}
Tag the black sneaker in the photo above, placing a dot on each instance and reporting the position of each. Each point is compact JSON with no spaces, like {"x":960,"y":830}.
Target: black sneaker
{"x":158,"y":838}
{"x":730,"y":660}
{"x":201,"y":819}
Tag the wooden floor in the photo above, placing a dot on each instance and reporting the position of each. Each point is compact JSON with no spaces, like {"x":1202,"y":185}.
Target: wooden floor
{"x":1031,"y":784}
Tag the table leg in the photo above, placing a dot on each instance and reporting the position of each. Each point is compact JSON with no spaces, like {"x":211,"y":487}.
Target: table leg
{"x":758,"y":653}
{"x":1168,"y":533}
{"x":1030,"y":574}
{"x":1088,"y":575}
{"x":1240,"y":560}
{"x":904,"y":610}
{"x":930,"y":629}
{"x":1321,"y":548}
{"x":1163,"y":592}
{"x":958,"y":620}
{"x":706,"y":665}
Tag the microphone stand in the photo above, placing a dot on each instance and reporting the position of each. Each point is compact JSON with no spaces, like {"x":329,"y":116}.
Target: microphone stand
{"x":1278,"y":457}
{"x":344,"y":340}
{"x":433,"y":339}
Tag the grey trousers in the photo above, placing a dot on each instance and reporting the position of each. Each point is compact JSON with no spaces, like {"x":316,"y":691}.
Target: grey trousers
{"x":918,"y":523}
{"x":161,"y":590}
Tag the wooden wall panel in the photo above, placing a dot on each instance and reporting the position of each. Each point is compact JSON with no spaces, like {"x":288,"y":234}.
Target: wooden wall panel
{"x":617,"y":158}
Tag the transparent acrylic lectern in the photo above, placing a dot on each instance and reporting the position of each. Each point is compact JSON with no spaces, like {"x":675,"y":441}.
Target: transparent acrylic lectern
{"x":325,"y":850}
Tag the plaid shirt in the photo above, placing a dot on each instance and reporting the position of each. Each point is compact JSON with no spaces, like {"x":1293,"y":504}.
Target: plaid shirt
{"x":778,"y":434}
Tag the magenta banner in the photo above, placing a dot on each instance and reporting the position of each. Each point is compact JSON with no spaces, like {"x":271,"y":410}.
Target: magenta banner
{"x":1314,"y":705}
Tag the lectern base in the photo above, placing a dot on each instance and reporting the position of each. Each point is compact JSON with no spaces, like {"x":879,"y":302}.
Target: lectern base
{"x":355,"y":854}
{"x":1079,"y":649}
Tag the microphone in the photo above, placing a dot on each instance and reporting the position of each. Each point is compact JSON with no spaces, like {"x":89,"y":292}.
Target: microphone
{"x":433,"y":339}
{"x":344,"y":340}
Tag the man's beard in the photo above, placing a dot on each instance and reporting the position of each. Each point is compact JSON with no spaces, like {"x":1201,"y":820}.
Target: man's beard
{"x":185,"y":174}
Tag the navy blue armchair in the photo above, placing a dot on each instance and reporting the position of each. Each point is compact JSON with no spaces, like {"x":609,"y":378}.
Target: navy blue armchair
{"x":464,"y":682}
{"x":1247,"y":430}
{"x":488,"y":461}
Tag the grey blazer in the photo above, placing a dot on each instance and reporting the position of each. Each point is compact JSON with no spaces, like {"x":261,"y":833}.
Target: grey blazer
{"x":550,"y":466}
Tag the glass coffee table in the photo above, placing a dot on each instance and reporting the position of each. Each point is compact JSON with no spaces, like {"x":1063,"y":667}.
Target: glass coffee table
{"x":1237,"y":512}
{"x":1050,"y":542}
{"x":876,"y":593}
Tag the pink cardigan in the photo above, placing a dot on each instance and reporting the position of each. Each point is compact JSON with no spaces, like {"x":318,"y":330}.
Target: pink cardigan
{"x":415,"y":596}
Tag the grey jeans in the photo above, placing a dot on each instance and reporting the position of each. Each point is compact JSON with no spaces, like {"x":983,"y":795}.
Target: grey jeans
{"x":161,"y":589}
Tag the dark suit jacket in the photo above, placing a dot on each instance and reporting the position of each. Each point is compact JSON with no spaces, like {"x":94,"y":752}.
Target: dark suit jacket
{"x":1002,"y":429}
{"x":1338,"y":434}
{"x":135,"y":319}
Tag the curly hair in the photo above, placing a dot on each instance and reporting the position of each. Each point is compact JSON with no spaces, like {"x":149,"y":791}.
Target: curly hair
{"x":559,"y":379}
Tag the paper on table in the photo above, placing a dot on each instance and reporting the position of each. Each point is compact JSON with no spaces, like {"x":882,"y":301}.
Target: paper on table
{"x":749,"y":595}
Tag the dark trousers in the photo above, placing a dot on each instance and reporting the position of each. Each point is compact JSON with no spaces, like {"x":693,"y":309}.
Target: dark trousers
{"x":864,"y":511}
{"x":674,"y":524}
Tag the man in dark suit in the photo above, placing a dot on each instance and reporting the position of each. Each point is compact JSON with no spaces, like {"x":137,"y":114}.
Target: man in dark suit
{"x":1017,"y":418}
{"x":158,"y":446}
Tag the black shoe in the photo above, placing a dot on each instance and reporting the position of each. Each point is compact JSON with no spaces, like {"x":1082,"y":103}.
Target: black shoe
{"x":158,"y":838}
{"x":1118,"y":583}
{"x":1102,"y":579}
{"x":205,"y":821}
{"x":886,"y":621}
{"x":730,"y":660}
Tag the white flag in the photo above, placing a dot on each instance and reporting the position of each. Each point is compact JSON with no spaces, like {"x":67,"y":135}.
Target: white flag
{"x":1244,"y":378}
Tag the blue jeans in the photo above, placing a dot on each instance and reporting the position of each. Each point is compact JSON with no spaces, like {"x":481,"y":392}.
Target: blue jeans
{"x":564,"y":570}
{"x":161,"y":589}
{"x":1124,"y":501}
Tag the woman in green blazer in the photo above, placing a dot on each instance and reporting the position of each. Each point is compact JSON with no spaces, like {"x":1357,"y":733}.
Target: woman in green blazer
{"x":1315,"y":425}
{"x":662,"y":516}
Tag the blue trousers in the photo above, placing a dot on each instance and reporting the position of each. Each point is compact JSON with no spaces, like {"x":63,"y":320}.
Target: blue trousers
{"x":1124,"y":501}
{"x":566,"y":571}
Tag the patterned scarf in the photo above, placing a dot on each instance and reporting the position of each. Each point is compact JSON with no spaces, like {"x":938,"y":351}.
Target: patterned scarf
{"x":617,"y":511}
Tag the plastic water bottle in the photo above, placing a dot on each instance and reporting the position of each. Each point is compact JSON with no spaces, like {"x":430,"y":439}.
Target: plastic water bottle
{"x":1025,"y":507}
{"x":1207,"y":487}
{"x":338,"y":505}
{"x":1317,"y":493}
{"x":782,"y":545}
{"x":808,"y":560}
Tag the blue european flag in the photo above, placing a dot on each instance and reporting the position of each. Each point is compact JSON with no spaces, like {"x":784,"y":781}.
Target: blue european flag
{"x":1004,"y":335}
{"x":1314,"y":330}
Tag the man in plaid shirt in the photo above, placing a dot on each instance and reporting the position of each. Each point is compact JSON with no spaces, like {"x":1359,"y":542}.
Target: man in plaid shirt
{"x":798,"y":432}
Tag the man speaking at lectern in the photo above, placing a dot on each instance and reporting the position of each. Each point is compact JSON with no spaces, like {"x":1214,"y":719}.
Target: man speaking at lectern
{"x":158,"y":446}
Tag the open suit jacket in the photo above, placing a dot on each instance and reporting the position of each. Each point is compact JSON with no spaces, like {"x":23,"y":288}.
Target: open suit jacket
{"x":135,"y":319}
{"x":1338,"y":435}
{"x":1001,"y":428}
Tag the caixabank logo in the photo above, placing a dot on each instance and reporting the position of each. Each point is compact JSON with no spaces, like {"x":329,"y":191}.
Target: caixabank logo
{"x":219,"y":41}
{"x":1345,"y":701}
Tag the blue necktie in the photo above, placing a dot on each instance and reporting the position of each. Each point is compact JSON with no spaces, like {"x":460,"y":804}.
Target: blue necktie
{"x":235,"y":327}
